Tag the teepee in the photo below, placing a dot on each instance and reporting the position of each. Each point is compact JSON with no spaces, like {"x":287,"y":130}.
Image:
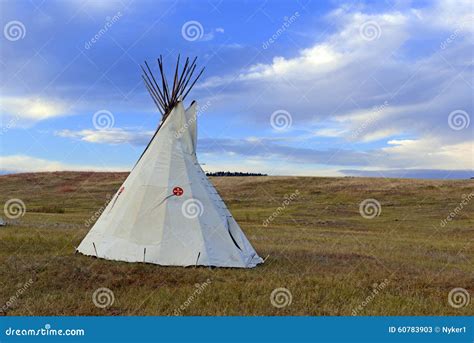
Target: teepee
{"x":167,"y":212}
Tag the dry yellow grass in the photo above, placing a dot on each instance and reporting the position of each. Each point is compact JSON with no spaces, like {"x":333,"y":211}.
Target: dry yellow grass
{"x":320,"y":248}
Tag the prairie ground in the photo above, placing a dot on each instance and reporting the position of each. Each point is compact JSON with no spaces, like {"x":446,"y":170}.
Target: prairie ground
{"x":330,"y":259}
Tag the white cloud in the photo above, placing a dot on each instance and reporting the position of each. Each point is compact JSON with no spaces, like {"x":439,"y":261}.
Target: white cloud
{"x":31,"y":109}
{"x":211,"y":34}
{"x":24,"y":163}
{"x":401,"y":142}
{"x":109,"y":136}
{"x":429,"y":153}
{"x":375,"y":134}
{"x":401,"y":83}
{"x":450,"y":15}
{"x":321,"y":58}
{"x":330,"y":132}
{"x":426,"y":153}
{"x":337,"y":52}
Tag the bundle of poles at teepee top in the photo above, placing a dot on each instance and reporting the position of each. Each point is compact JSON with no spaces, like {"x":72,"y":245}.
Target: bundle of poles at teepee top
{"x":164,"y":96}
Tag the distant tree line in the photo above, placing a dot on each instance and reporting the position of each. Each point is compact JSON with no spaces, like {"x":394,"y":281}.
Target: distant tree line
{"x":222,"y":173}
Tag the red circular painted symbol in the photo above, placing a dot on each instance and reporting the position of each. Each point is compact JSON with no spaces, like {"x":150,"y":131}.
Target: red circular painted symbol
{"x":178,"y":191}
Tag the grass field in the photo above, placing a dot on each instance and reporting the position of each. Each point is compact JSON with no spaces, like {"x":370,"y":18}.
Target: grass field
{"x":331,"y":259}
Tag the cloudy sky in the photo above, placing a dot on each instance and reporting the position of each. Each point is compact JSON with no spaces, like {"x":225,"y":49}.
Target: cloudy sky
{"x":290,"y":88}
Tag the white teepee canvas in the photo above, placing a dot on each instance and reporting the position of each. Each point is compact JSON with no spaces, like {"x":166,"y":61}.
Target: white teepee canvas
{"x":167,"y":212}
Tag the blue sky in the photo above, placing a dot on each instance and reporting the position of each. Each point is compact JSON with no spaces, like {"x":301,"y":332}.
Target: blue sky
{"x":290,"y":88}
